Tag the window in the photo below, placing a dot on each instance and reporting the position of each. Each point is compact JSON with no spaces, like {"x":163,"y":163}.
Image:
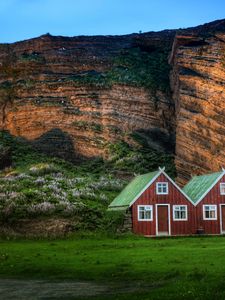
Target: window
{"x":162,"y":188}
{"x":145,"y":213}
{"x":180,"y":212}
{"x":209,"y":212}
{"x":222,"y":188}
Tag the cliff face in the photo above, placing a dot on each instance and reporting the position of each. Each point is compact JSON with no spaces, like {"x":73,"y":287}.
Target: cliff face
{"x":198,"y":83}
{"x":74,"y":96}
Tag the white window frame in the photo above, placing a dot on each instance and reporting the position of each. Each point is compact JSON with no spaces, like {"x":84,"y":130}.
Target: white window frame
{"x":174,"y":209}
{"x":222,"y":186}
{"x":209,"y":219}
{"x":151,"y":208}
{"x":157,"y":188}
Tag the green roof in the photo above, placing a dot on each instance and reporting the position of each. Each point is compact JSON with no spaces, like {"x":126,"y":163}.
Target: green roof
{"x":198,"y":185}
{"x":131,"y":191}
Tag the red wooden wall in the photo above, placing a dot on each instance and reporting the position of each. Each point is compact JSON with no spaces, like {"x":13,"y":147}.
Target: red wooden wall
{"x":195,"y":213}
{"x":213,"y":197}
{"x":149,"y":197}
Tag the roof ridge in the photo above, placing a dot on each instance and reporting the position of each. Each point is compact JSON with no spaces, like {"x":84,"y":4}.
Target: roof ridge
{"x":203,"y":175}
{"x":208,"y":174}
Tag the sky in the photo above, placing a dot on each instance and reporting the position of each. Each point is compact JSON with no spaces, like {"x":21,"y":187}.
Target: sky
{"x":24,"y":19}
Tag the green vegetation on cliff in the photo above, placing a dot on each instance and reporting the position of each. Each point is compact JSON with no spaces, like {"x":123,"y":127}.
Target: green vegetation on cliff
{"x":88,"y":126}
{"x":140,"y":68}
{"x":7,"y":92}
{"x":31,"y":57}
{"x":134,"y":67}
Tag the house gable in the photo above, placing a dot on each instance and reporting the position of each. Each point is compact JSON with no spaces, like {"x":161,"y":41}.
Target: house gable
{"x":175,"y":197}
{"x":162,"y":177}
{"x":200,"y":186}
{"x":150,"y":195}
{"x":177,"y":187}
{"x":214,"y":196}
{"x":133,"y":190}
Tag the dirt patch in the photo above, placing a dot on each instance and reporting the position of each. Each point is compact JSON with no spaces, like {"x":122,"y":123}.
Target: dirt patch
{"x":38,"y":228}
{"x":39,"y":289}
{"x":13,"y":289}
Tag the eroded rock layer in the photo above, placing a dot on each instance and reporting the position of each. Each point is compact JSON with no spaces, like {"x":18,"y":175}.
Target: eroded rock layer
{"x":73,"y":96}
{"x":198,"y":82}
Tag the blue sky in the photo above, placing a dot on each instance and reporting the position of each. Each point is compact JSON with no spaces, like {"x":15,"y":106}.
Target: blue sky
{"x":23,"y":19}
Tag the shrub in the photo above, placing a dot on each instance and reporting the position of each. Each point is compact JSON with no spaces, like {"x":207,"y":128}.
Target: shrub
{"x":5,"y":157}
{"x":44,"y":208}
{"x":42,"y":169}
{"x":31,"y":57}
{"x":88,"y":125}
{"x":114,"y":220}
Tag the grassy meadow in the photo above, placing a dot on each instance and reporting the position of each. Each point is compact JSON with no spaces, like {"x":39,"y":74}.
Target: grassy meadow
{"x":173,"y":268}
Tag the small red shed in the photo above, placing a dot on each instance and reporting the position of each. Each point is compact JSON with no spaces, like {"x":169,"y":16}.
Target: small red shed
{"x":207,"y":193}
{"x":157,"y":205}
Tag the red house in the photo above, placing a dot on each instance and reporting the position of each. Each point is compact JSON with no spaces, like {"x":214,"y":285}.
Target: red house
{"x":157,"y":206}
{"x":207,"y":193}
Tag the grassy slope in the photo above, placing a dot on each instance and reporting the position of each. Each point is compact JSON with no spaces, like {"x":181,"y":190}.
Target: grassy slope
{"x":182,"y":268}
{"x":35,"y":179}
{"x":37,"y":185}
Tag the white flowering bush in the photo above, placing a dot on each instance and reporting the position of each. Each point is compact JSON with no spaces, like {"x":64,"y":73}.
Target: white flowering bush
{"x":68,"y":208}
{"x":22,"y":176}
{"x":46,"y":190}
{"x":8,"y":208}
{"x":45,"y":208}
{"x":105,"y":183}
{"x":42,"y":168}
{"x":40,"y":181}
{"x":11,"y":203}
{"x":103,"y":197}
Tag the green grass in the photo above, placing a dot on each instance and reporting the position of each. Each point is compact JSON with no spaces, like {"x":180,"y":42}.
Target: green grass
{"x":181,"y":268}
{"x":140,"y":160}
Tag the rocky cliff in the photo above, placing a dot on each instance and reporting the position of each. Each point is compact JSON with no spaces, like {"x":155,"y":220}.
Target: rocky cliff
{"x":79,"y":94}
{"x":198,"y":84}
{"x":75,"y":96}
